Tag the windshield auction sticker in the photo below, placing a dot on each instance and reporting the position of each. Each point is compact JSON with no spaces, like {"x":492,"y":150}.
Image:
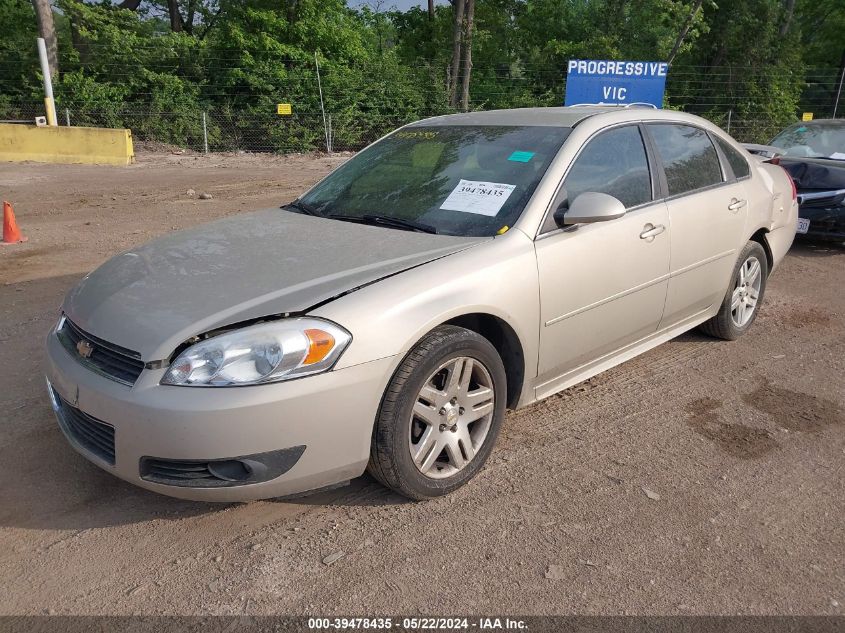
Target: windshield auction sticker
{"x":473,"y":196}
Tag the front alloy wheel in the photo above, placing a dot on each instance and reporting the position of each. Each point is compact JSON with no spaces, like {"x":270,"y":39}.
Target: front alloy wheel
{"x":452,"y":417}
{"x":440,"y":414}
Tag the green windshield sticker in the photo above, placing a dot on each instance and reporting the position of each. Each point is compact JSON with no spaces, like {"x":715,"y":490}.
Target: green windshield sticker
{"x":801,"y":129}
{"x":521,"y":157}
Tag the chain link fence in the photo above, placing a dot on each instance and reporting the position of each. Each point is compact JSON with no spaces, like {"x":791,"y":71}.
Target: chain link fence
{"x":226,"y":130}
{"x":261,"y":129}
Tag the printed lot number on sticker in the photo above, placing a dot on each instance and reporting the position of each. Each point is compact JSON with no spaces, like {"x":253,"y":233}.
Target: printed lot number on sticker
{"x":482,"y":198}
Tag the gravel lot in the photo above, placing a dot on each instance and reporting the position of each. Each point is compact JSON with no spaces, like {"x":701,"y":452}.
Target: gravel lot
{"x":702,"y":477}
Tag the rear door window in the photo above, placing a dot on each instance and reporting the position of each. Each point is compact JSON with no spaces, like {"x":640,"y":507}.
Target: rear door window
{"x":688,"y":155}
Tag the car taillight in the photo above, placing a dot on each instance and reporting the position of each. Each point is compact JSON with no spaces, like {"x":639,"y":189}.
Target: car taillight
{"x":792,"y":183}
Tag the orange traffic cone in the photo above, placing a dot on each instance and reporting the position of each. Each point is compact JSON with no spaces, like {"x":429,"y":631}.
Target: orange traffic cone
{"x":11,"y":232}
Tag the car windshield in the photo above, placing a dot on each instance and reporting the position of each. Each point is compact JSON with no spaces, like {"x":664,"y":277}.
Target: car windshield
{"x":816,"y":140}
{"x":454,"y":180}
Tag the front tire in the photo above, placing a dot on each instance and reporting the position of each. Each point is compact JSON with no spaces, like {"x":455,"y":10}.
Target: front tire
{"x":741,"y":303}
{"x":440,"y":415}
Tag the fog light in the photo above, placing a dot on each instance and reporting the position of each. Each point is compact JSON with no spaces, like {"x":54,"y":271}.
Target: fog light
{"x":234,"y":469}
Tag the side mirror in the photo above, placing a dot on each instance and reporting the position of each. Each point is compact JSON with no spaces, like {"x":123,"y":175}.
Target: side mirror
{"x":590,"y":206}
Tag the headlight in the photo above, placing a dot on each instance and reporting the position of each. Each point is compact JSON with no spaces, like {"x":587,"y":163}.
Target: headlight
{"x":268,"y":352}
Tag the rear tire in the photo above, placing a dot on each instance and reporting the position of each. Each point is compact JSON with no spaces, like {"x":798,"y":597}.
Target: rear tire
{"x":440,"y":415}
{"x":742,"y":301}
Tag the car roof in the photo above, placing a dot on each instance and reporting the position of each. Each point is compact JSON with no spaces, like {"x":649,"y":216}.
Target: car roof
{"x":566,"y":117}
{"x":551,"y":117}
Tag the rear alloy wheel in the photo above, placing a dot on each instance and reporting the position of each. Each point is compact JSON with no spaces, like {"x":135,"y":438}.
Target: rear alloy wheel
{"x":746,"y":291}
{"x":440,"y":415}
{"x":740,"y":306}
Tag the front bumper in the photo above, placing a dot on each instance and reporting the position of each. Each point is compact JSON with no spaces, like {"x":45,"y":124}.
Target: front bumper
{"x":329,"y":414}
{"x":826,"y":222}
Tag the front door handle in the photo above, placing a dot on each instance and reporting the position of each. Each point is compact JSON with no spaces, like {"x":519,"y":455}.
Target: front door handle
{"x":650,"y":231}
{"x":736,"y":204}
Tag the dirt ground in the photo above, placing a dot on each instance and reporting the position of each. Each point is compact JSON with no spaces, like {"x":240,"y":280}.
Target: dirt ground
{"x":704,"y":477}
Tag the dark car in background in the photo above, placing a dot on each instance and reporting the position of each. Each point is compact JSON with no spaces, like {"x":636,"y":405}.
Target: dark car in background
{"x":814,"y":155}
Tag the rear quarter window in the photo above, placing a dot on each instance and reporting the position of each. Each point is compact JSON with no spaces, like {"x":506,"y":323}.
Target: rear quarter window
{"x":737,"y":162}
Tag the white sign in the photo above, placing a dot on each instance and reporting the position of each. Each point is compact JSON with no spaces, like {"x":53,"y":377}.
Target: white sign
{"x":803,"y":225}
{"x":473,"y":196}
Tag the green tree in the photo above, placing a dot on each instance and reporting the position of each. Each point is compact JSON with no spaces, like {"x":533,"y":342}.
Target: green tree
{"x":155,"y":65}
{"x":757,"y":79}
{"x":822,"y":29}
{"x":18,"y":55}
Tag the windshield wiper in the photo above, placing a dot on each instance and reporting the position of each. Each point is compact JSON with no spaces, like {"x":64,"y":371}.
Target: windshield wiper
{"x":386,"y":220}
{"x":400,"y":223}
{"x":298,"y":206}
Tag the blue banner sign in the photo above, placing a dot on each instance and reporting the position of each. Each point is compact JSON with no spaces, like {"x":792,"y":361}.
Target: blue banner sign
{"x":602,"y":82}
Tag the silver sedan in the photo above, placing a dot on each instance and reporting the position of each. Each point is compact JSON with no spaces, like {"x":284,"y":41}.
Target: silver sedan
{"x":387,"y":318}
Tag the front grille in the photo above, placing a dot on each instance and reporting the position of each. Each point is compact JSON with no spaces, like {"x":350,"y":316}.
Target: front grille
{"x":112,"y":361}
{"x":821,"y":199}
{"x":91,"y":434}
{"x":827,"y":223}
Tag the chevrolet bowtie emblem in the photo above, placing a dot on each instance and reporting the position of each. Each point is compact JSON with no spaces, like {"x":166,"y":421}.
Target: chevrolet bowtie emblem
{"x":84,"y":348}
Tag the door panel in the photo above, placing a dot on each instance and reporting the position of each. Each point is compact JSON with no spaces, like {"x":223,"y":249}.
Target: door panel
{"x":707,"y":215}
{"x":705,"y":241}
{"x":602,"y":286}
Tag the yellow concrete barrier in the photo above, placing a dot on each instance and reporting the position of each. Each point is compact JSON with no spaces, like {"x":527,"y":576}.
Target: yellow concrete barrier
{"x":86,"y":145}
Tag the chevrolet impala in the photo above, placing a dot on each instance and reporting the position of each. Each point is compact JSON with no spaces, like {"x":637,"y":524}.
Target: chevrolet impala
{"x":386,"y":319}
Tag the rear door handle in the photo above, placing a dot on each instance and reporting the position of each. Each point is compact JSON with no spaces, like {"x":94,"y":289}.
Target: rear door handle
{"x":736,"y":204}
{"x":650,"y":231}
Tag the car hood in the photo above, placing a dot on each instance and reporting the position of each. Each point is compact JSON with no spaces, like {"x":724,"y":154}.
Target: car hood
{"x":815,"y":174}
{"x":154,"y":297}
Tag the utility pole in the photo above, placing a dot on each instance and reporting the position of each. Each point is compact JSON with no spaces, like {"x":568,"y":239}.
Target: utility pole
{"x":49,"y":104}
{"x":47,"y":31}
